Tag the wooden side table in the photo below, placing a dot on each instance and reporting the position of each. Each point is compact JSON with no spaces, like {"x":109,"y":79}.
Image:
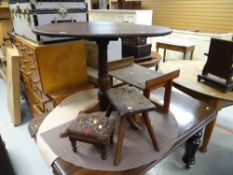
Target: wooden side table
{"x":180,"y":46}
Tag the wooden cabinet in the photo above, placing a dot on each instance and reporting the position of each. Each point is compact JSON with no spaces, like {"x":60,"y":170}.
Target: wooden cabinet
{"x":5,"y":21}
{"x":37,"y":99}
{"x":5,"y":27}
{"x":13,"y":85}
{"x":51,"y":72}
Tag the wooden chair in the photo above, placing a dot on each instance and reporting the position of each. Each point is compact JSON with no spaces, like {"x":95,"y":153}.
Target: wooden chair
{"x":219,"y":64}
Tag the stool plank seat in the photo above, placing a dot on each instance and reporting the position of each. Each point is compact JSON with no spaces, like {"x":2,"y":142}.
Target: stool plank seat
{"x":128,"y":101}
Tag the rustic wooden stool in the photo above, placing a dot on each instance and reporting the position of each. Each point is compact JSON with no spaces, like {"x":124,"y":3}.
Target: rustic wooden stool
{"x":129,"y":101}
{"x":92,"y":128}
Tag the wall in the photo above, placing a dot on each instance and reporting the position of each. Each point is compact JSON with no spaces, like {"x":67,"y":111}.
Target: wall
{"x":202,"y":15}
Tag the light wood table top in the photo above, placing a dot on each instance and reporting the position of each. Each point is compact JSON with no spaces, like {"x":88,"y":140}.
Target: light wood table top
{"x":188,"y":83}
{"x":188,"y":78}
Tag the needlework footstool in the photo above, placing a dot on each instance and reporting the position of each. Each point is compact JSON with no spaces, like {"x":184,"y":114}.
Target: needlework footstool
{"x":92,"y":128}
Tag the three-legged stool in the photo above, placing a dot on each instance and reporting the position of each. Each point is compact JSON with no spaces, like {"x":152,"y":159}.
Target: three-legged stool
{"x":127,"y":102}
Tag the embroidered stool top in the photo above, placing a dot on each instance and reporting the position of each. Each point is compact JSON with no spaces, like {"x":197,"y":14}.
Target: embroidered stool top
{"x":92,"y":127}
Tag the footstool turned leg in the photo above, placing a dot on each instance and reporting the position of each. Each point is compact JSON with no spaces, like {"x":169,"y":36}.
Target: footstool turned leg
{"x":111,"y":138}
{"x":73,"y":143}
{"x":109,"y":110}
{"x":104,"y":152}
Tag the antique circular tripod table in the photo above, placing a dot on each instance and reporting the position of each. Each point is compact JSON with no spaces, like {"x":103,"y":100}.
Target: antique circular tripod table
{"x":102,"y":33}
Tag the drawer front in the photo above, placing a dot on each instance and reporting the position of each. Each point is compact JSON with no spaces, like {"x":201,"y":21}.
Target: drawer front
{"x":38,"y":101}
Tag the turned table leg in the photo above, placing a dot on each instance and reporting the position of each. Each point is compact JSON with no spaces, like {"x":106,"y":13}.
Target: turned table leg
{"x":191,"y":147}
{"x":207,"y":134}
{"x":217,"y":104}
{"x":103,"y":78}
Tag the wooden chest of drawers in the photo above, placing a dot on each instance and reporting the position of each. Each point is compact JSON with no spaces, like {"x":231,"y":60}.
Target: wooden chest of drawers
{"x":51,"y":72}
{"x":5,"y":21}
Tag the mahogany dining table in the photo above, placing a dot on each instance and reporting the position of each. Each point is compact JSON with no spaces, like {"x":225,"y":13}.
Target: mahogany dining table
{"x":188,"y":83}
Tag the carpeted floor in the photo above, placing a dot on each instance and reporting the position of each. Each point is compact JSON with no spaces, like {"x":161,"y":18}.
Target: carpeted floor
{"x":26,"y":159}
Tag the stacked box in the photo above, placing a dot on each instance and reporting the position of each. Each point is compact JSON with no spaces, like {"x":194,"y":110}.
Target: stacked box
{"x":136,"y":47}
{"x":27,"y":14}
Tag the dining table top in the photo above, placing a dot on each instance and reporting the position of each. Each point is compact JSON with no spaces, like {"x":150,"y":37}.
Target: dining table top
{"x":100,"y":30}
{"x":188,"y":78}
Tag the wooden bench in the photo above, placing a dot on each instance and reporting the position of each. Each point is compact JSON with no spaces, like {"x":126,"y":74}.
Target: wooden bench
{"x":176,"y":45}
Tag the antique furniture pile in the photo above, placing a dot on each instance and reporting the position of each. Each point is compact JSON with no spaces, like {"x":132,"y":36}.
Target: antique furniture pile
{"x":71,"y":117}
{"x":201,"y":114}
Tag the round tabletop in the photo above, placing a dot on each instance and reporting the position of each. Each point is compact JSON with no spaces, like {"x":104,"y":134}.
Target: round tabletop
{"x":100,"y":30}
{"x":188,"y":78}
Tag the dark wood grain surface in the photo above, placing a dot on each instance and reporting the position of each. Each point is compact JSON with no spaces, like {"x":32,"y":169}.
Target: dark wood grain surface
{"x":129,"y":100}
{"x":87,"y":30}
{"x":135,"y":75}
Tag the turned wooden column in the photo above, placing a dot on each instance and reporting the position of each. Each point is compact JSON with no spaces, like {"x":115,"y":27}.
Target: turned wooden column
{"x":191,"y":147}
{"x":103,"y":78}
